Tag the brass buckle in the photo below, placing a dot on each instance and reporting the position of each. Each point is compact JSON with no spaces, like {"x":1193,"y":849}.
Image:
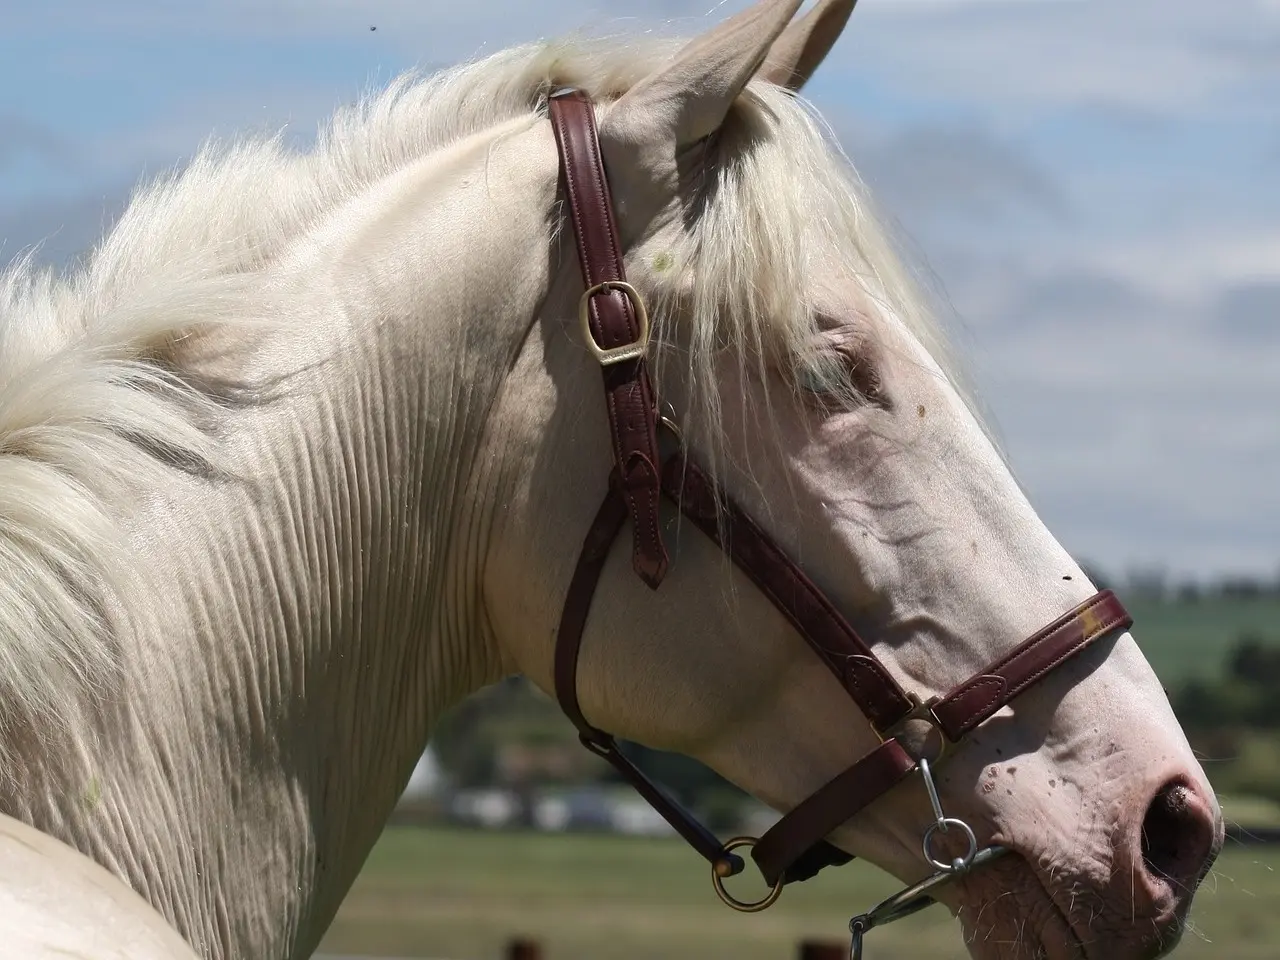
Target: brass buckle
{"x":720,"y":869}
{"x":921,"y":710}
{"x":627,"y":351}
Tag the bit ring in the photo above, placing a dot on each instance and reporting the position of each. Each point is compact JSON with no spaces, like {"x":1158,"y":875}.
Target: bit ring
{"x":959,"y":864}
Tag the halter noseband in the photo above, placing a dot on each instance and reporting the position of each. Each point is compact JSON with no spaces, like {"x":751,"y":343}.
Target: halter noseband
{"x":615,"y":327}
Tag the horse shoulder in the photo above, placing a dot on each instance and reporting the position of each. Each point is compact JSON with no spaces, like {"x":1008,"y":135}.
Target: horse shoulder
{"x":56,"y":902}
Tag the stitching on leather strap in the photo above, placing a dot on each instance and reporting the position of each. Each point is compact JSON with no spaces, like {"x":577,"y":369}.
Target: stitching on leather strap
{"x":612,"y":321}
{"x":1105,"y":627}
{"x":1018,"y":670}
{"x":1062,"y":623}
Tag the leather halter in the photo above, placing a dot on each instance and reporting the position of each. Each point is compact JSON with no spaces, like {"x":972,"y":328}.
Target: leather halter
{"x":616,"y":327}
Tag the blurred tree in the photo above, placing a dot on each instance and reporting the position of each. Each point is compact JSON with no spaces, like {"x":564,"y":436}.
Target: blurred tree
{"x":1100,"y":580}
{"x":1189,"y":591}
{"x":1150,"y":583}
{"x":1231,"y":722}
{"x":1241,"y":588}
{"x":693,"y":784}
{"x":470,"y":738}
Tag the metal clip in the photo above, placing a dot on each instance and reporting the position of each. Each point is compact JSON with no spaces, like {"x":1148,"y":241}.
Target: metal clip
{"x":941,"y":824}
{"x":917,"y":896}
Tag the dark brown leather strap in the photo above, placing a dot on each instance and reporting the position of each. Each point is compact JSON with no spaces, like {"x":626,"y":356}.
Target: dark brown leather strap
{"x":614,"y":323}
{"x":797,"y":863}
{"x":682,"y":821}
{"x":603,"y":531}
{"x":965,"y":707}
{"x":573,"y":620}
{"x":870,"y":685}
{"x":975,"y":700}
{"x":795,"y":848}
{"x":814,"y":819}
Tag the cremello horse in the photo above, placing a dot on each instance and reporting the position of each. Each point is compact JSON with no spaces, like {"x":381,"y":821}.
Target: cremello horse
{"x":307,"y":449}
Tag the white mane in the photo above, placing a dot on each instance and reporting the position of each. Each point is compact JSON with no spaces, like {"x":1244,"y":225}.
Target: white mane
{"x":99,"y":396}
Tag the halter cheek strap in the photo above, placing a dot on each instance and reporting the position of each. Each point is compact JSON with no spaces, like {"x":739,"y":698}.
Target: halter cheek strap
{"x":615,"y":329}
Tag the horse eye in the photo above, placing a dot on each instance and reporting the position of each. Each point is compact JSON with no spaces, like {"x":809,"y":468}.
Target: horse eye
{"x":837,"y":370}
{"x":820,"y":375}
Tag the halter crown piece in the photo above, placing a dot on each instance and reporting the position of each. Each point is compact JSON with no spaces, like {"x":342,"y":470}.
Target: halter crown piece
{"x":615,"y":326}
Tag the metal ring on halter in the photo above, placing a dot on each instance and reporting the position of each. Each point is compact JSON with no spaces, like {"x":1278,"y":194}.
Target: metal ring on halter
{"x":921,"y":711}
{"x":941,"y":823}
{"x":742,"y":906}
{"x":957,"y":864}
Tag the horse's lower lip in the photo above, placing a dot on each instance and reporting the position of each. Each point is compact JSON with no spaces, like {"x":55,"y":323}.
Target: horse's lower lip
{"x":1076,"y":944}
{"x":923,"y":892}
{"x":1072,"y":940}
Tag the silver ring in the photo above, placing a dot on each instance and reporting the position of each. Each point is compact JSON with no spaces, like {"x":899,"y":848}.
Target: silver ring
{"x":915,"y":897}
{"x":959,"y":864}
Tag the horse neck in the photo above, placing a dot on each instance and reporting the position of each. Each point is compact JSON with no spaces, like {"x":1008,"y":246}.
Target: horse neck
{"x":297,"y":628}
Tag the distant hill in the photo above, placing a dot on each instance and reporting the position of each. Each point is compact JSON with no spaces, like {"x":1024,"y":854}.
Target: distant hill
{"x":1183,"y":639}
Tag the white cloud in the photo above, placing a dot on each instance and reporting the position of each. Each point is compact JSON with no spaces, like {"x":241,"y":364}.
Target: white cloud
{"x":1095,"y":294}
{"x":1143,"y":433}
{"x":433,"y":26}
{"x":944,"y":170}
{"x":1153,"y":55}
{"x":1157,"y":55}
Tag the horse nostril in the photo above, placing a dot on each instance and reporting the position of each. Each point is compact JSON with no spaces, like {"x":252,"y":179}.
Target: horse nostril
{"x":1179,"y":837}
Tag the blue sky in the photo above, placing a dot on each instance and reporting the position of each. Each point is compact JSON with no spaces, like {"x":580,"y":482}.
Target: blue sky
{"x":1094,"y":185}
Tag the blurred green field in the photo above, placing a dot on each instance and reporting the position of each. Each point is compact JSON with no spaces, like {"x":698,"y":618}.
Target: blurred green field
{"x":452,"y":894}
{"x":461,"y":895}
{"x":1187,"y":639}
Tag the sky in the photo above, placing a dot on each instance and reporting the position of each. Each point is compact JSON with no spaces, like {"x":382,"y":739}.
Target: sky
{"x":1093,"y":185}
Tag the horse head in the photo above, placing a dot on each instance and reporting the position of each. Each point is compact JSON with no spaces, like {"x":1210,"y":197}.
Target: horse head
{"x":846,"y":473}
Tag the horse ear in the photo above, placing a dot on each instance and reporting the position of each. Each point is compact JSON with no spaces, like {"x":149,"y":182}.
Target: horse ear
{"x":687,"y":99}
{"x":802,"y":47}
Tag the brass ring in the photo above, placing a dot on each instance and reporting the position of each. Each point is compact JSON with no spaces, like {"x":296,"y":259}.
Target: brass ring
{"x":627,"y":351}
{"x":728,"y":899}
{"x":920,"y":711}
